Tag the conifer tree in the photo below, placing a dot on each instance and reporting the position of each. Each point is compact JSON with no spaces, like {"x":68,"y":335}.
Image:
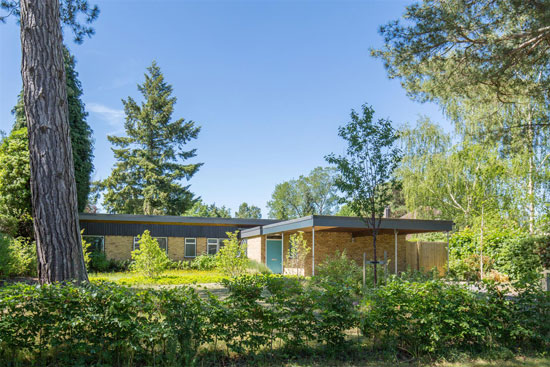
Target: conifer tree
{"x":150,"y":164}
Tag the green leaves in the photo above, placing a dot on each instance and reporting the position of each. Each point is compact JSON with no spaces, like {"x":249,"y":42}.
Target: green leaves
{"x":150,"y":168}
{"x":231,"y":258}
{"x":149,"y":258}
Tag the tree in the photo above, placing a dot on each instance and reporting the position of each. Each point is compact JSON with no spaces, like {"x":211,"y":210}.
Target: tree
{"x":149,"y":258}
{"x":307,"y":195}
{"x":486,"y":64}
{"x":366,"y":170}
{"x":150,"y":164}
{"x":248,"y":211}
{"x":453,"y":182}
{"x":231,"y":258}
{"x":53,"y":188}
{"x":15,"y":190}
{"x":81,"y":133}
{"x":200,"y":209}
{"x":297,"y":252}
{"x":457,"y":46}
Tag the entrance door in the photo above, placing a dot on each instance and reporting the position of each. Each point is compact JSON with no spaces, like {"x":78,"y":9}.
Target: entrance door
{"x":274,"y":253}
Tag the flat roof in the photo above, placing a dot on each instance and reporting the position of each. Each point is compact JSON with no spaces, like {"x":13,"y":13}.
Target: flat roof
{"x":349,"y":224}
{"x":173,"y":220}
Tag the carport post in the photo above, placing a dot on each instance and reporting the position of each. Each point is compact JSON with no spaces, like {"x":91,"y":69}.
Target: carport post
{"x":395,"y":231}
{"x":313,"y":251}
{"x":447,"y":233}
{"x":282,"y":252}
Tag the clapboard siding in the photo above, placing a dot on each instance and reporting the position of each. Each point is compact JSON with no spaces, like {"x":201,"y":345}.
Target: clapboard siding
{"x":157,"y":230}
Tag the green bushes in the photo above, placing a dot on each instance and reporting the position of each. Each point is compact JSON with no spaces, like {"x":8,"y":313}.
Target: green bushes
{"x":17,"y":257}
{"x":149,"y":258}
{"x":105,"y":324}
{"x":434,"y":318}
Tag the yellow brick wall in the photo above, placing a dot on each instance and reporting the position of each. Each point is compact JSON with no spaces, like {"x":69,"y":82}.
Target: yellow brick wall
{"x":254,"y":248}
{"x":118,"y":247}
{"x":327,"y":243}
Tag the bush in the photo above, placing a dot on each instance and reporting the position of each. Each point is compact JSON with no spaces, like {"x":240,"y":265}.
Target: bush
{"x":99,"y":263}
{"x":149,"y":259}
{"x":341,"y":270}
{"x":231,"y":258}
{"x":17,"y":257}
{"x":204,"y":262}
{"x":257,"y":267}
{"x":523,"y":258}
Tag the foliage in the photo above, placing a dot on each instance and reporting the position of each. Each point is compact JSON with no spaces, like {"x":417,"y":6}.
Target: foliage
{"x":522,"y":258}
{"x":149,"y":258}
{"x":103,"y":324}
{"x":297,"y":252}
{"x":15,"y":191}
{"x":366,"y":170}
{"x":434,"y":318}
{"x":200,"y":209}
{"x":340,"y":269}
{"x":85,"y":250}
{"x":17,"y":256}
{"x":168,"y":277}
{"x":147,"y":176}
{"x":70,"y":10}
{"x":204,"y":262}
{"x":257,"y":267}
{"x":248,"y":211}
{"x":307,"y":195}
{"x":231,"y":258}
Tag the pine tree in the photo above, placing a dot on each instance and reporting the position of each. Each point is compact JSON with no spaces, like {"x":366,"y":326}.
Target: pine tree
{"x":147,"y":176}
{"x":81,"y":133}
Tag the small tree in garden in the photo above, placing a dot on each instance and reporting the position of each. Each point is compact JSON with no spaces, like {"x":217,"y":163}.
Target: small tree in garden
{"x":366,"y":170}
{"x":232,"y":259}
{"x":149,"y":258}
{"x":297,"y":251}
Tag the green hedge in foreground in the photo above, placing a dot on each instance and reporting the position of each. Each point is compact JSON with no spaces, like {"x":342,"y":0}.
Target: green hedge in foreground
{"x":114,"y":325}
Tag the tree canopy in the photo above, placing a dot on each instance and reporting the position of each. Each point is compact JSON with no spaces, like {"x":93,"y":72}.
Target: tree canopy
{"x":307,"y":195}
{"x":200,"y":209}
{"x":248,"y":211}
{"x":151,"y":158}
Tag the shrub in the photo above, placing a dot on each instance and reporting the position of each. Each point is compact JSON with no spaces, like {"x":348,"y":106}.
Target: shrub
{"x":17,"y":256}
{"x":231,"y":258}
{"x":297,"y":252}
{"x":149,"y":259}
{"x":257,"y":267}
{"x":204,"y":262}
{"x":99,"y":262}
{"x":520,"y":257}
{"x":339,"y":269}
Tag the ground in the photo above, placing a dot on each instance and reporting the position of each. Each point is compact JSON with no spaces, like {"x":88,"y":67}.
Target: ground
{"x":170,"y":277}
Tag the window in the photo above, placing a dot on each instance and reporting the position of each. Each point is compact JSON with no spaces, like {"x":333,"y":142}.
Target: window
{"x":162,"y":241}
{"x":213,"y":245}
{"x":190,"y":247}
{"x":97,"y":243}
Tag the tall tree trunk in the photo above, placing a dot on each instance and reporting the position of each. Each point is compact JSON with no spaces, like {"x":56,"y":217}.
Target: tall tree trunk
{"x":532,"y":171}
{"x":374,"y":234}
{"x":53,"y":188}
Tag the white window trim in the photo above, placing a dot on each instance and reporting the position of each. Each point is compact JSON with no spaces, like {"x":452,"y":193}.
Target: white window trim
{"x":102,"y":243}
{"x":217,"y":245}
{"x":136,"y":239}
{"x":185,"y":247}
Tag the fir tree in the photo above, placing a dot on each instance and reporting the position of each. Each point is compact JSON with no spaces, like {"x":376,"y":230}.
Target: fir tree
{"x":147,"y":176}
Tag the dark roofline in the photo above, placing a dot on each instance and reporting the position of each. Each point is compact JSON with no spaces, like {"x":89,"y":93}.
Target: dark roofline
{"x":172,"y":219}
{"x":409,"y":225}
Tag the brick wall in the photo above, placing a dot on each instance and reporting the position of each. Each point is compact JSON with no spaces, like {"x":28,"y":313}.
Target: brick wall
{"x":254,"y":248}
{"x":120,"y":247}
{"x":327,"y":243}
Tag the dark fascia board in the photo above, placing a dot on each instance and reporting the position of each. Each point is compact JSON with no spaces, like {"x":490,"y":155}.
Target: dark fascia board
{"x":409,"y":225}
{"x":173,"y":219}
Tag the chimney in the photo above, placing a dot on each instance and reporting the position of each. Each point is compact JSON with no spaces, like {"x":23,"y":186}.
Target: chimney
{"x":387,"y":212}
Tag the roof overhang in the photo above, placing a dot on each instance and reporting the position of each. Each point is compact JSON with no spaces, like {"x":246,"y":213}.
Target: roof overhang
{"x":174,"y":220}
{"x":349,"y":224}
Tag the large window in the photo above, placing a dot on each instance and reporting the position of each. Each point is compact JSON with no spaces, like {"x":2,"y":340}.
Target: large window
{"x":97,"y":243}
{"x":213,"y":245}
{"x":162,"y":241}
{"x":190,"y":247}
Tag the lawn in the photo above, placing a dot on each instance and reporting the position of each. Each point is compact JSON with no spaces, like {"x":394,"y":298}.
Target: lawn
{"x":169,"y":277}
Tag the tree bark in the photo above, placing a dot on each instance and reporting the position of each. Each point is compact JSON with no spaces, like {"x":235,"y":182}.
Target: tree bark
{"x":53,"y":188}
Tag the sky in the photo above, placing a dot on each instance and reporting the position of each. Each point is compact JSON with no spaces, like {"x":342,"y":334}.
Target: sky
{"x":269,"y":82}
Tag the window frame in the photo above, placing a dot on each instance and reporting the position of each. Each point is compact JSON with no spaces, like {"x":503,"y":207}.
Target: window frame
{"x":185,"y":247}
{"x":137,"y":240}
{"x":217,"y":244}
{"x":100,"y":236}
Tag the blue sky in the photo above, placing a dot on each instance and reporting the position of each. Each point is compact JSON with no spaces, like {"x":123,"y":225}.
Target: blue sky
{"x":268,"y":81}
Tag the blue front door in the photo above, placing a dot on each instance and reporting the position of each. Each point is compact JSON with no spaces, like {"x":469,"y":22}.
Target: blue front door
{"x":274,"y":255}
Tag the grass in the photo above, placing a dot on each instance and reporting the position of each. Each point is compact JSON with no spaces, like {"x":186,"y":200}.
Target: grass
{"x":169,"y":277}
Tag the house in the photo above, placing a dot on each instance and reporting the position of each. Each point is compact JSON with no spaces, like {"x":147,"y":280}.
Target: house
{"x":184,"y":238}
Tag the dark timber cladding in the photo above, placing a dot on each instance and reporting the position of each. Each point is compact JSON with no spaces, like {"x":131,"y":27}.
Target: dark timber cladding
{"x":350,"y":224}
{"x":163,"y":226}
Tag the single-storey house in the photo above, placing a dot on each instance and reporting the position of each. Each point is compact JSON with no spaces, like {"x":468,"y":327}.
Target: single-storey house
{"x":184,"y":238}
